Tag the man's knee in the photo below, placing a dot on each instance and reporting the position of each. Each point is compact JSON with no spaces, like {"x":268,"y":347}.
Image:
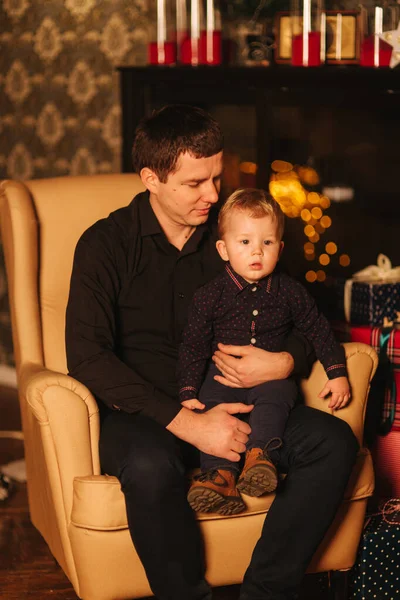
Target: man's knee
{"x":327,"y":436}
{"x":152,"y":474}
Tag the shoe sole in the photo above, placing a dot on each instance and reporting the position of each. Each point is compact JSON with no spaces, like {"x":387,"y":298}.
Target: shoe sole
{"x":206,"y":501}
{"x":257,"y":481}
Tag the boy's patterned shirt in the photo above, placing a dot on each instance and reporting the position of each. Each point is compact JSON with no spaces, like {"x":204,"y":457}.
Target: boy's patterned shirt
{"x":230,"y":310}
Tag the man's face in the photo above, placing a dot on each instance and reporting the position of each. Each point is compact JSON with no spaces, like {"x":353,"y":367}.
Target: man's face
{"x":250,"y":244}
{"x":190,"y":192}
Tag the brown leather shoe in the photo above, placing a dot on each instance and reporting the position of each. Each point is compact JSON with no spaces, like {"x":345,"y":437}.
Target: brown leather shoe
{"x":216,"y":491}
{"x":259,"y":475}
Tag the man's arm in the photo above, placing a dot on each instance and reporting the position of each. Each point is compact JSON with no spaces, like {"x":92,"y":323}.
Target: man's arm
{"x":91,"y":332}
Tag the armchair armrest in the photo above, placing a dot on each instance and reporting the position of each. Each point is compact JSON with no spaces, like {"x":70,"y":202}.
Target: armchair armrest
{"x":362,"y":361}
{"x":68,"y":419}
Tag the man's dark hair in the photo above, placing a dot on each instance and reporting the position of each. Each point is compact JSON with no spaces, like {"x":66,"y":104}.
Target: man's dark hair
{"x":171,"y":131}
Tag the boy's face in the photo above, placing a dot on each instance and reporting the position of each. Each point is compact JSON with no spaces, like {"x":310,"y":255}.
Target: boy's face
{"x":250,"y":244}
{"x":189,"y":193}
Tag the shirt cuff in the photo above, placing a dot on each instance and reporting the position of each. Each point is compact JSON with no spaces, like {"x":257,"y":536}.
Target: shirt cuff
{"x":187,"y":393}
{"x":335,"y":371}
{"x":161,"y":408}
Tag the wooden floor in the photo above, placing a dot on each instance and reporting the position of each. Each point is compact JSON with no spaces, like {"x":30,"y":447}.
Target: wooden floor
{"x":27,"y":568}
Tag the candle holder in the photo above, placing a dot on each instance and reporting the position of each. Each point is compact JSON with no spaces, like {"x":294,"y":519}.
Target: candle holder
{"x":199,"y":32}
{"x":308,"y":33}
{"x":162,"y":46}
{"x":375,"y":20}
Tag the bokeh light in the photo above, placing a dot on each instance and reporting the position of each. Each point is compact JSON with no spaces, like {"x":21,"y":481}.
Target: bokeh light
{"x":309,"y":230}
{"x":331,"y":248}
{"x":326,"y":221}
{"x":281,"y":166}
{"x":324,"y":202}
{"x":311,"y":276}
{"x":316,"y":212}
{"x":344,"y":260}
{"x":286,"y":186}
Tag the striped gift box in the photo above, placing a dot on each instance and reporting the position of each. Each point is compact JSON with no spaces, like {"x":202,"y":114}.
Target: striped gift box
{"x":379,"y":338}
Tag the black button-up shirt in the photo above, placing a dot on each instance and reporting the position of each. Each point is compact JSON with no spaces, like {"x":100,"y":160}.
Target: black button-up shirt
{"x":232,"y":311}
{"x":129,"y":298}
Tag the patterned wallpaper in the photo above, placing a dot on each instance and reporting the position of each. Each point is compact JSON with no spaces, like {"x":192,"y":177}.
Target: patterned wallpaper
{"x":59,"y":92}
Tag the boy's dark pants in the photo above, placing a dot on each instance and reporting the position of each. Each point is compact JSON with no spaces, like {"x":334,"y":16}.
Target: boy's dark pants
{"x":318,"y":454}
{"x":272,"y":402}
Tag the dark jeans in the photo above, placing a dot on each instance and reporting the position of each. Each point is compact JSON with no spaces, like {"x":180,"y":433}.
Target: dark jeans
{"x":318,"y":454}
{"x":272,"y":401}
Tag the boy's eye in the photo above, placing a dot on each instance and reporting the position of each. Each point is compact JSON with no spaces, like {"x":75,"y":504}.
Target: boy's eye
{"x":267,"y":242}
{"x":193,"y":185}
{"x":245,"y":242}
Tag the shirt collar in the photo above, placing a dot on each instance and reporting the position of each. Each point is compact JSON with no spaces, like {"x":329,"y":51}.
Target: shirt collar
{"x":237,"y":283}
{"x":149,"y":224}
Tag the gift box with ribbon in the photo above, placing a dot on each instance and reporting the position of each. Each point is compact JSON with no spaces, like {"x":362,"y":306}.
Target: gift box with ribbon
{"x":376,"y":573}
{"x":373,"y":294}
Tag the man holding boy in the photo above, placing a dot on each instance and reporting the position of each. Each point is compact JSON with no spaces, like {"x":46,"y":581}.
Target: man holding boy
{"x":133,"y":279}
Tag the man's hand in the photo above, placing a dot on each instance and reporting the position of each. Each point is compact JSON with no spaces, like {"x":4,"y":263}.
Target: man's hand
{"x":193,"y":403}
{"x":215,"y":432}
{"x":254,"y":367}
{"x":340,"y":390}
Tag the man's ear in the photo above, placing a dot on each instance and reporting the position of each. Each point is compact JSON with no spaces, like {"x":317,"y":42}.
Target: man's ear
{"x":149,"y":180}
{"x":221,"y":247}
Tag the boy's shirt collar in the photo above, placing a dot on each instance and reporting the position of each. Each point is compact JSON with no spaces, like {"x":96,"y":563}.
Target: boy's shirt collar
{"x":238,"y":283}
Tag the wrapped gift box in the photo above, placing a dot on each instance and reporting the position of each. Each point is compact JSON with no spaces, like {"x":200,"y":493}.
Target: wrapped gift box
{"x":383,"y":410}
{"x":387,"y":380}
{"x":373,"y":294}
{"x":376,"y":573}
{"x":371,"y":303}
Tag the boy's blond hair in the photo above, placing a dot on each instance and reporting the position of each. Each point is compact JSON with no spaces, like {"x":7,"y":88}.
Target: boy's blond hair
{"x":257,"y":202}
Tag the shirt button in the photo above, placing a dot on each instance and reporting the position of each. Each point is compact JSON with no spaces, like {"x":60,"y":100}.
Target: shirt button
{"x":254,"y":289}
{"x":253,"y":340}
{"x":255,"y":312}
{"x":181,"y":295}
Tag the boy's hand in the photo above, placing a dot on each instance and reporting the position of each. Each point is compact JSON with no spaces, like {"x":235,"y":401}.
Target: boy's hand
{"x":193,"y":403}
{"x":340,"y":390}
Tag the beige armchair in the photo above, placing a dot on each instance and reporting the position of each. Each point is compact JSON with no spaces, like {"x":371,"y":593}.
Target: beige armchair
{"x":79,"y":511}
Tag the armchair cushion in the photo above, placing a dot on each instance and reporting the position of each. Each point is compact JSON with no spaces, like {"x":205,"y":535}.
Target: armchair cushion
{"x":98,"y":502}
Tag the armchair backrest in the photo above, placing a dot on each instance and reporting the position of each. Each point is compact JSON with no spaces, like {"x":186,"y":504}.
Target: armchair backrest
{"x":46,"y":217}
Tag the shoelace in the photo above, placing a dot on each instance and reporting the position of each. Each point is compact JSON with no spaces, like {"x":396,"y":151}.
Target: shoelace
{"x":211,"y":476}
{"x":269,"y":447}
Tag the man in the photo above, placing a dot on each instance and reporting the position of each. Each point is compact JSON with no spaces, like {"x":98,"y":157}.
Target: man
{"x":133,"y":278}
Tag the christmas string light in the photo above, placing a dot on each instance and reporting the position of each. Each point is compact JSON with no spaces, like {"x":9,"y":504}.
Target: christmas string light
{"x":286,"y":185}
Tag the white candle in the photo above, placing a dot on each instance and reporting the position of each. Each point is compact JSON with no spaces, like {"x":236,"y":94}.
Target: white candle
{"x":210,"y":31}
{"x":306,"y":29}
{"x":339,"y":26}
{"x":195,"y":30}
{"x":210,"y":15}
{"x":323,"y":37}
{"x":378,"y":30}
{"x":161,"y":22}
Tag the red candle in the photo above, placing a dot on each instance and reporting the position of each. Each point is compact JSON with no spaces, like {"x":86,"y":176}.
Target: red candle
{"x":314,"y":50}
{"x":162,"y":53}
{"x":205,"y":50}
{"x":370,"y":58}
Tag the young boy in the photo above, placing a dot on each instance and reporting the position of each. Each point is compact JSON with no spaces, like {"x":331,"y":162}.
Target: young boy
{"x":250,"y":303}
